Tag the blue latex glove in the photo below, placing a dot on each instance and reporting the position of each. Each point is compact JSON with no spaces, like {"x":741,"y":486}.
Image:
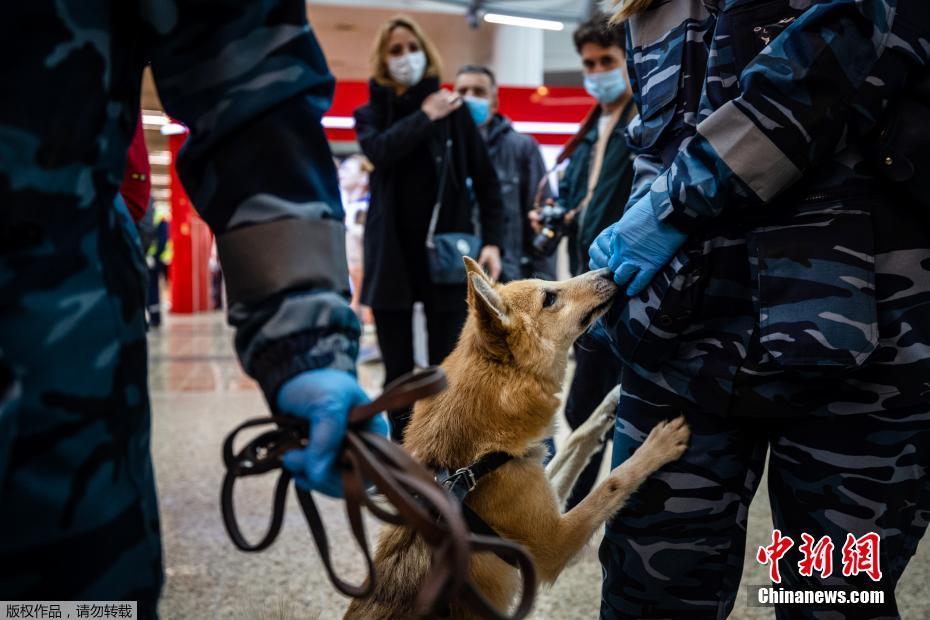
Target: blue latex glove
{"x":637,"y":246}
{"x":599,"y":252}
{"x":324,"y":398}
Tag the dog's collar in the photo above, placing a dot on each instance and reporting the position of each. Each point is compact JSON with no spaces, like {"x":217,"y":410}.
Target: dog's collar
{"x":463,"y":481}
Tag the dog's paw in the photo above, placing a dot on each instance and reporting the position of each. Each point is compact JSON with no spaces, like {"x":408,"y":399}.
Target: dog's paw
{"x":606,"y":412}
{"x":596,"y":429}
{"x":613,"y":397}
{"x":666,"y":442}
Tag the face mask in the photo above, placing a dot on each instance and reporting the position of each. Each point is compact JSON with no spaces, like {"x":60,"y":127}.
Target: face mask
{"x":407,"y":69}
{"x":480,"y":109}
{"x":606,"y":86}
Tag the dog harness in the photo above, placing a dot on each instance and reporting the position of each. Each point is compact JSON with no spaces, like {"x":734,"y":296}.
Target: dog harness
{"x":464,"y":480}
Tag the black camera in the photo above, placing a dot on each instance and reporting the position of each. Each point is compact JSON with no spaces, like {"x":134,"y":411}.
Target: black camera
{"x":552,"y":220}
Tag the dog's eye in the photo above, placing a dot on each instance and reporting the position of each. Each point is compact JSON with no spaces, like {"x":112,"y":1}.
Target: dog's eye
{"x":549,"y":299}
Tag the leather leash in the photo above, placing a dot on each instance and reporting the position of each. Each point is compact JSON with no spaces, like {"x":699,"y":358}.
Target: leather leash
{"x":418,"y":502}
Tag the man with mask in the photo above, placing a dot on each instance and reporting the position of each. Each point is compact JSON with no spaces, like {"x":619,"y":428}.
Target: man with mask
{"x":520,"y":168}
{"x":593,"y":190}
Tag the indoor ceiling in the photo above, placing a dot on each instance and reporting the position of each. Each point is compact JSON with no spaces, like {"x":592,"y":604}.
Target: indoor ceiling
{"x":346,"y":29}
{"x":347,"y":36}
{"x":562,"y":10}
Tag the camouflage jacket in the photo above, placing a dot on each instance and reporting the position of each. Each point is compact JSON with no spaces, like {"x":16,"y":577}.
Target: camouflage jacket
{"x":251,"y":83}
{"x":801,"y":286}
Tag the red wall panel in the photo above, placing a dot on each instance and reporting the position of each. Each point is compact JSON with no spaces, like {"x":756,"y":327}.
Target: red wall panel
{"x":192,"y":241}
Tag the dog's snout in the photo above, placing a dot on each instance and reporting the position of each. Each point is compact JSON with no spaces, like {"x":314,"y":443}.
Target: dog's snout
{"x":604,"y":281}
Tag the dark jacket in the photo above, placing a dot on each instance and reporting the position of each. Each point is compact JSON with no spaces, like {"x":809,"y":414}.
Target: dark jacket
{"x":406,"y":149}
{"x":797,"y":291}
{"x":520,"y":167}
{"x":610,"y":193}
{"x":263,"y":186}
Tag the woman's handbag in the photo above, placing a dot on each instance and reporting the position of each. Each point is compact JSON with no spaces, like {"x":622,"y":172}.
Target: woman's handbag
{"x":444,"y":251}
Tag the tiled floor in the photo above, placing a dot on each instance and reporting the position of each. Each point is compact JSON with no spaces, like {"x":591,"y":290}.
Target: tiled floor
{"x":199,"y":394}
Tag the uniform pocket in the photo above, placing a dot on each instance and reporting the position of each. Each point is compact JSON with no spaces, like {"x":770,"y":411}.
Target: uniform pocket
{"x":645,"y":330}
{"x":815,"y":273}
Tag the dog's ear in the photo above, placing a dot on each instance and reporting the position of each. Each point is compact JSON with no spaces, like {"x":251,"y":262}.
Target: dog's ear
{"x":487,"y":304}
{"x":472,"y":267}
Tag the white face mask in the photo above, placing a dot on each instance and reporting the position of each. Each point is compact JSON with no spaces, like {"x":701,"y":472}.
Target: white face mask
{"x":407,"y":69}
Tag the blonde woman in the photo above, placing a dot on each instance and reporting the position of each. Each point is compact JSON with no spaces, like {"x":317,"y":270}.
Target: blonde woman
{"x":779,"y":297}
{"x":414,"y":133}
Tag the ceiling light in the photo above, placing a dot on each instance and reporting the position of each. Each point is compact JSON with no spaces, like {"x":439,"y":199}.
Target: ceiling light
{"x":161,"y":158}
{"x":563,"y":129}
{"x":524,"y":22}
{"x":154,"y":120}
{"x":173,"y":129}
{"x":338,"y":122}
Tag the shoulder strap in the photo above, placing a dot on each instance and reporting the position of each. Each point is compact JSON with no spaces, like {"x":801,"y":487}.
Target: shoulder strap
{"x":443,"y":175}
{"x":587,"y":124}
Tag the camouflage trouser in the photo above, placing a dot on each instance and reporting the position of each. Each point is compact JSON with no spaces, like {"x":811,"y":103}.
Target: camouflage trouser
{"x":79,"y":519}
{"x":676,"y":550}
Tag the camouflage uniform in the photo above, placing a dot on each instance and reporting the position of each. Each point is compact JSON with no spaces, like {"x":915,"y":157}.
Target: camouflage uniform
{"x":79,"y":518}
{"x":801,"y":293}
{"x":676,"y":549}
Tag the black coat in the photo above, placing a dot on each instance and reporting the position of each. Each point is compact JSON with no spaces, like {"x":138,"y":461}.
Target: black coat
{"x":520,"y":167}
{"x":406,"y":149}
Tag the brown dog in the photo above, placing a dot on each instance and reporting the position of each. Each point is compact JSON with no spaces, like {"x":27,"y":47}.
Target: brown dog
{"x":504,"y":376}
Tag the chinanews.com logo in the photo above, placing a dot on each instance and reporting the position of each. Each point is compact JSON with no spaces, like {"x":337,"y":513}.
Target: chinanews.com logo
{"x":858,"y":556}
{"x":769,"y":596}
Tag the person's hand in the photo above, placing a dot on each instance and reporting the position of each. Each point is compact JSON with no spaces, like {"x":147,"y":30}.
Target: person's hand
{"x":640,"y":246}
{"x":490,"y":260}
{"x":536,"y":214}
{"x":324,"y":398}
{"x":534,"y":219}
{"x":441,"y":104}
{"x":599,"y":252}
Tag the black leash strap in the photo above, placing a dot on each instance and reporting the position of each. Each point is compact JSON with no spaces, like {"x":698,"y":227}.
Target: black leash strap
{"x":261,"y":455}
